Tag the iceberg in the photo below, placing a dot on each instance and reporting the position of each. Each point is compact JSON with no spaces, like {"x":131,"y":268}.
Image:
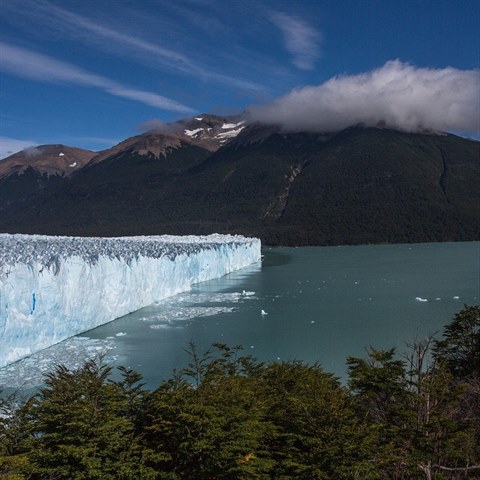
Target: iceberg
{"x":52,"y":288}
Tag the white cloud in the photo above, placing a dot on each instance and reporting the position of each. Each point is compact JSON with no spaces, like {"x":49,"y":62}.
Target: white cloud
{"x":25,"y":63}
{"x":9,"y":146}
{"x":301,"y":40}
{"x":397,"y":94}
{"x":114,"y":40}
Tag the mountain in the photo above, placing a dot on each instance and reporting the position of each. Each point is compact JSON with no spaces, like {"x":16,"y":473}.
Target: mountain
{"x":206,"y":131}
{"x":27,"y":173}
{"x":46,"y":159}
{"x":214,"y":174}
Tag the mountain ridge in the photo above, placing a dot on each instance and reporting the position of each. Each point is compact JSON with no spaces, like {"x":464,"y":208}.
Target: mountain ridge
{"x":360,"y":185}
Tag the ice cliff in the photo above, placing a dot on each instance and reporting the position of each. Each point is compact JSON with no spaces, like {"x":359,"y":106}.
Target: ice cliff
{"x":54,"y":287}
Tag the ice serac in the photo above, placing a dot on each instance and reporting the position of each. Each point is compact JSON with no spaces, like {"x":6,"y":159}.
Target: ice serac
{"x":54,"y":287}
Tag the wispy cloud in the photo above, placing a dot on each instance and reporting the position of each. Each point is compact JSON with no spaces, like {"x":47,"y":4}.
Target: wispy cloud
{"x":398,"y":95}
{"x":25,"y":63}
{"x":9,"y":146}
{"x":301,"y":40}
{"x":136,"y":48}
{"x":196,"y":17}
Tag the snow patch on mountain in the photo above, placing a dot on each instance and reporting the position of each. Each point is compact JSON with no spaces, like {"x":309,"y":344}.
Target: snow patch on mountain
{"x":226,"y":126}
{"x":229,"y":134}
{"x":193,"y":133}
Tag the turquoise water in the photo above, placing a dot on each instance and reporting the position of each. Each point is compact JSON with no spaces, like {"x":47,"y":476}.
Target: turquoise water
{"x":322,"y":305}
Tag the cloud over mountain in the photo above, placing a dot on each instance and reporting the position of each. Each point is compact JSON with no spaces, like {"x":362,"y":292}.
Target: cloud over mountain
{"x":8,"y":146}
{"x":397,"y":94}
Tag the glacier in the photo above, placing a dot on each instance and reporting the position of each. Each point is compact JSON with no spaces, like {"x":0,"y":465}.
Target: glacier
{"x":52,"y":288}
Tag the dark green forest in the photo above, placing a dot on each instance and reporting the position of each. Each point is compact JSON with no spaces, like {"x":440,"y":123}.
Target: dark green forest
{"x":359,"y":186}
{"x":411,"y":415}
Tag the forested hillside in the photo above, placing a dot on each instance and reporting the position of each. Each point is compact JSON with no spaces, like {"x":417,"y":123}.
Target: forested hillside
{"x":361,"y":185}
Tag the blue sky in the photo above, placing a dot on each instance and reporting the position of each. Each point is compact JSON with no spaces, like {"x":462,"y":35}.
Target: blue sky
{"x":88,"y":73}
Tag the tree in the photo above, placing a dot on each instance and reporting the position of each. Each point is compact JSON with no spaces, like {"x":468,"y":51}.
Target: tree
{"x":316,"y":432}
{"x":14,"y":436}
{"x":213,"y":428}
{"x":228,"y":416}
{"x":459,"y":350}
{"x":80,"y":428}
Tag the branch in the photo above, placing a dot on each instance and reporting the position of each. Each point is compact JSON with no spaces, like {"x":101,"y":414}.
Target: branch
{"x":457,"y":469}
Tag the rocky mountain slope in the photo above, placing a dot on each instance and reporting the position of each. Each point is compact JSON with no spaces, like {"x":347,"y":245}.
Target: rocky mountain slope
{"x":29,"y":172}
{"x":213,"y":174}
{"x":46,"y":159}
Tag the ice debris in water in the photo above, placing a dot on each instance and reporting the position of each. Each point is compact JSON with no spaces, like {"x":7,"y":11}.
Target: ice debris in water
{"x":185,"y":306}
{"x":420,"y":299}
{"x":194,"y":298}
{"x":170,"y":317}
{"x":72,"y":353}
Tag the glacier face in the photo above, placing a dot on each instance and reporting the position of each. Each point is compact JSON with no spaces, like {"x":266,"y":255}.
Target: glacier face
{"x":52,"y":288}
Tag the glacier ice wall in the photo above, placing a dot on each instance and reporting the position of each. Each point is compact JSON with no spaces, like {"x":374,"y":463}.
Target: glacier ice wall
{"x":54,"y":287}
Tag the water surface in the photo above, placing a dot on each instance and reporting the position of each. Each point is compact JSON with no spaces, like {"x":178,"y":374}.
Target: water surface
{"x":322,"y":304}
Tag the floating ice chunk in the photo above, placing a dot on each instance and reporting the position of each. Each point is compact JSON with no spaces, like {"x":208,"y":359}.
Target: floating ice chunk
{"x":199,"y":118}
{"x":456,"y":297}
{"x":168,"y":315}
{"x":161,"y":326}
{"x":263,"y":312}
{"x":438,"y":298}
{"x":420,"y":299}
{"x":120,"y":334}
{"x":195,"y":298}
{"x":74,"y":164}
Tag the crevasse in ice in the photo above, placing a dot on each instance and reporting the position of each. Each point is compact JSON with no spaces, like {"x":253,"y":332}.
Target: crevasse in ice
{"x":54,"y":287}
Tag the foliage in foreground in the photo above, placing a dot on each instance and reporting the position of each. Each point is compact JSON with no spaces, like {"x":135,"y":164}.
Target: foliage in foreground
{"x":228,"y":416}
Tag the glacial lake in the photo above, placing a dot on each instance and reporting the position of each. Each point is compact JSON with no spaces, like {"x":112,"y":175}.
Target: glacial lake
{"x":322,"y":304}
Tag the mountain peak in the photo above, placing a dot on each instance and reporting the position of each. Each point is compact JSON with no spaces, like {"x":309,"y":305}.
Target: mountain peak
{"x":206,"y":131}
{"x":56,"y":159}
